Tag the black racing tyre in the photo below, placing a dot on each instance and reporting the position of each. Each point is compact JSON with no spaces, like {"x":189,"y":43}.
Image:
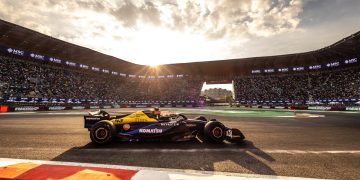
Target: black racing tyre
{"x":214,"y":131}
{"x":102,"y":132}
{"x":202,"y":118}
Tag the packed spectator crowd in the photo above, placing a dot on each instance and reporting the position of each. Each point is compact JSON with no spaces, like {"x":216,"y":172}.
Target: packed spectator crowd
{"x":305,"y":86}
{"x":25,"y":78}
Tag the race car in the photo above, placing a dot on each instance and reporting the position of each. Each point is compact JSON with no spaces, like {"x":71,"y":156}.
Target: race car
{"x":152,"y":125}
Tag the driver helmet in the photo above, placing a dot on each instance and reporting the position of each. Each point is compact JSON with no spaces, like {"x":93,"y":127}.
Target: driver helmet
{"x":156,"y":111}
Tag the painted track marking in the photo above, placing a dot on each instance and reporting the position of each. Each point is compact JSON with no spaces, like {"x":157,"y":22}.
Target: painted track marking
{"x":154,"y":173}
{"x":145,"y":150}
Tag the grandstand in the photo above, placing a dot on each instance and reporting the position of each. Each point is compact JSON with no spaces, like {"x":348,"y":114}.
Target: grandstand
{"x":32,"y":81}
{"x":38,"y":69}
{"x":340,"y":85}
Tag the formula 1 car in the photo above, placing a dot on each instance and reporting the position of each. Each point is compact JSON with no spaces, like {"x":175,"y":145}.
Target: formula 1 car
{"x":145,"y":126}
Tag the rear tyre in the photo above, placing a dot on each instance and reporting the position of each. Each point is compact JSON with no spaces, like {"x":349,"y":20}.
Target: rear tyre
{"x":214,"y":132}
{"x":102,"y":132}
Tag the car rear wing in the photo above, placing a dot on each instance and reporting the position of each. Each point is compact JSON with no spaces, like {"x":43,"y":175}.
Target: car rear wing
{"x":89,"y":120}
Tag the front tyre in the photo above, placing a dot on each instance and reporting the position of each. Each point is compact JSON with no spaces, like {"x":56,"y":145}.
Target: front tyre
{"x":215,"y":132}
{"x":102,"y":132}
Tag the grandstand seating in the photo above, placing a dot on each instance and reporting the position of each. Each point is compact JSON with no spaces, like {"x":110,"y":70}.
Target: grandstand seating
{"x":26,"y":78}
{"x":343,"y":83}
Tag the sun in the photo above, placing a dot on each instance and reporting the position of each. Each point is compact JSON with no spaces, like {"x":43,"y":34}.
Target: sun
{"x":154,"y":65}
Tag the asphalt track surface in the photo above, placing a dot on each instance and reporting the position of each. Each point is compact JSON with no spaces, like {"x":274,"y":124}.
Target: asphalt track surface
{"x":317,"y":147}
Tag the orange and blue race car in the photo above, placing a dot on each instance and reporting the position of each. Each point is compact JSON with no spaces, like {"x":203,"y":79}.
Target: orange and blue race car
{"x":153,"y":125}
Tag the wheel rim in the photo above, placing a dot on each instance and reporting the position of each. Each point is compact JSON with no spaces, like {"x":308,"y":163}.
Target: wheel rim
{"x":101,"y":133}
{"x":217,"y":132}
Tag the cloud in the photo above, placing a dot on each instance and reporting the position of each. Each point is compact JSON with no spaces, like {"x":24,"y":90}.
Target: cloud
{"x":233,"y":18}
{"x":177,"y":29}
{"x":214,"y":19}
{"x":127,"y":14}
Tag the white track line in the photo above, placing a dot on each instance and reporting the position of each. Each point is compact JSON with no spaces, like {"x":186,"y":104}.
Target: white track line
{"x":157,"y":173}
{"x":302,"y":116}
{"x":178,"y":150}
{"x":226,"y":150}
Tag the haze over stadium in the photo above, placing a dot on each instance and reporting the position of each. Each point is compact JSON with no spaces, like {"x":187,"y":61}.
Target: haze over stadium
{"x":169,"y":31}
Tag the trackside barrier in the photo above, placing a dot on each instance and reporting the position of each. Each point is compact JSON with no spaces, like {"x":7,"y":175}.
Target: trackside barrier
{"x":338,"y":108}
{"x":94,"y":107}
{"x":56,"y":108}
{"x":4,"y":109}
{"x":27,"y":108}
{"x":299,"y":107}
{"x":304,"y":107}
{"x":353,"y":108}
{"x":50,"y":108}
{"x":78,"y":107}
{"x":319,"y":108}
{"x":328,"y":108}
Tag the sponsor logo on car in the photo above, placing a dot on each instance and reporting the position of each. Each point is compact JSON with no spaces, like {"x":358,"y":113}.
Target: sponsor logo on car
{"x":116,"y":121}
{"x":126,"y":127}
{"x":190,"y":125}
{"x":169,"y":124}
{"x":189,"y":136}
{"x":137,"y":117}
{"x":151,"y":131}
{"x":93,"y":118}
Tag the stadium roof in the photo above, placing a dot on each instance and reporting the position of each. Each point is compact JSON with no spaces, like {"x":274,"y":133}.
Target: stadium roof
{"x":16,"y":36}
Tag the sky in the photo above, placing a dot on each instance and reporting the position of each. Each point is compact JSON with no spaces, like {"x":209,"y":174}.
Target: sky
{"x":170,"y":31}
